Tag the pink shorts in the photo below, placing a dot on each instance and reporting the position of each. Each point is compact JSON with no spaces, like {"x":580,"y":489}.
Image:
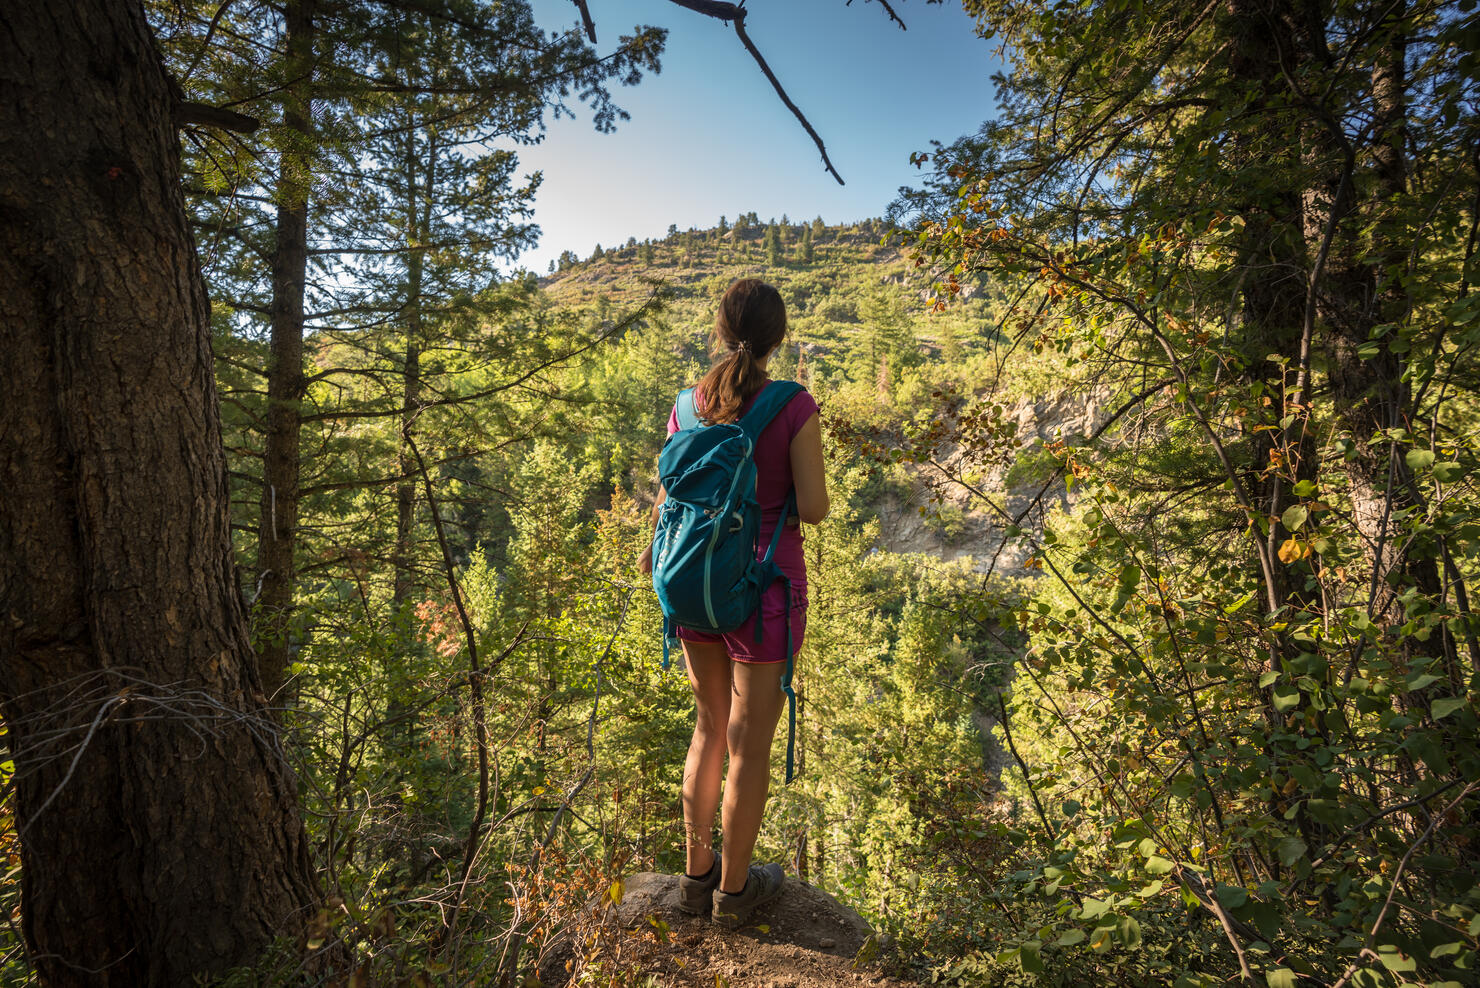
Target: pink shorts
{"x":741,"y":643}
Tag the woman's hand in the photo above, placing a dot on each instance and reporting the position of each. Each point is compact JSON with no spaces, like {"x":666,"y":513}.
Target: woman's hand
{"x":645,"y":561}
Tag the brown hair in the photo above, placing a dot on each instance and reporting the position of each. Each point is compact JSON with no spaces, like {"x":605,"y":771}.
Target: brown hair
{"x":751,"y":322}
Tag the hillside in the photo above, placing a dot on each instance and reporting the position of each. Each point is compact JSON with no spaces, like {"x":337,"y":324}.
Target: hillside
{"x":848,"y":280}
{"x":863,"y":336}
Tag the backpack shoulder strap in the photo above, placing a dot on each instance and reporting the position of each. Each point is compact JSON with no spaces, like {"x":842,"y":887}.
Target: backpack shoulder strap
{"x":768,"y":405}
{"x":688,"y":415}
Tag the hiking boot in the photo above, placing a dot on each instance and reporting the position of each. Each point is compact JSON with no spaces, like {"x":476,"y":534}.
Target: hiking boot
{"x":762,"y":884}
{"x":694,"y":893}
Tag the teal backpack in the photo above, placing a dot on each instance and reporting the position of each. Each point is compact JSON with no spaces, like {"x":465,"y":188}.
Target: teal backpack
{"x":705,"y":569}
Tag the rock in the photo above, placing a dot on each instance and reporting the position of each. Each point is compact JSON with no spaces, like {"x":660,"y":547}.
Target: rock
{"x":804,"y":939}
{"x":648,"y":893}
{"x":801,"y":916}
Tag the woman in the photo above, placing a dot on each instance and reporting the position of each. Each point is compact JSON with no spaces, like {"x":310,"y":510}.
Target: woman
{"x":737,"y":681}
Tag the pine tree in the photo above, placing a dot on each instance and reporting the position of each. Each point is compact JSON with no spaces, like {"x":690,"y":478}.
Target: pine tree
{"x":301,"y":198}
{"x":773,"y":245}
{"x":143,"y":747}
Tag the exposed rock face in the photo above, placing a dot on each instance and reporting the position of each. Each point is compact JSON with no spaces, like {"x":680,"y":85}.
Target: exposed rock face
{"x":804,"y":939}
{"x":971,"y":530}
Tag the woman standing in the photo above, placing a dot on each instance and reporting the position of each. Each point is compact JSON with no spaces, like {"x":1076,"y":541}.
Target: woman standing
{"x":736,"y":680}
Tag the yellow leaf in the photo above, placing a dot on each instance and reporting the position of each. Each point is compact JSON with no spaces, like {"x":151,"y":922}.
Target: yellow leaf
{"x":614,"y":894}
{"x":1292,"y":550}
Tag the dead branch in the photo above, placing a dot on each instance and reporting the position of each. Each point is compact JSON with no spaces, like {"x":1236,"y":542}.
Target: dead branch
{"x":586,"y":19}
{"x":200,"y":114}
{"x":776,"y":85}
{"x":735,"y":13}
{"x":710,"y":8}
{"x":887,"y":9}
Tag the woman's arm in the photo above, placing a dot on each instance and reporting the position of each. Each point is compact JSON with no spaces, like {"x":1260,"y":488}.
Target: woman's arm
{"x":645,"y":561}
{"x":807,"y":471}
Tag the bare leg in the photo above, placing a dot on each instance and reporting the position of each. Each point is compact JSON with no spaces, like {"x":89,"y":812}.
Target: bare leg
{"x":709,"y":674}
{"x":755,"y":709}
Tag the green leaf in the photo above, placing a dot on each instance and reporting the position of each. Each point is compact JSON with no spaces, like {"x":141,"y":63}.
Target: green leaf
{"x":1071,"y":807}
{"x":1445,"y":706}
{"x":1266,"y":678}
{"x":1420,"y":459}
{"x":1029,"y":957}
{"x":1094,"y":909}
{"x":1130,"y":932}
{"x":1304,"y":489}
{"x":1448,"y":471}
{"x":1281,"y":977}
{"x":1234,"y":607}
{"x":1395,"y":961}
{"x":1231,"y":896}
{"x":1286,"y":698}
{"x":1422,"y":680}
{"x":1290,"y":850}
{"x":1070,"y":937}
{"x":1294,"y":517}
{"x":1158,"y":865}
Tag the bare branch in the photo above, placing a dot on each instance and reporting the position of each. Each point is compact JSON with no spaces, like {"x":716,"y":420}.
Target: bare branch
{"x":205,"y":44}
{"x":887,"y":9}
{"x":586,"y":19}
{"x":711,"y":8}
{"x":776,"y":85}
{"x":736,"y":13}
{"x":200,"y":114}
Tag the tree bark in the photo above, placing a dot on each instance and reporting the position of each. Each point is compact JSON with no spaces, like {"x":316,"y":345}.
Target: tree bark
{"x":418,"y":220}
{"x":278,"y":521}
{"x":160,"y":837}
{"x":1371,"y":394}
{"x":1263,"y":49}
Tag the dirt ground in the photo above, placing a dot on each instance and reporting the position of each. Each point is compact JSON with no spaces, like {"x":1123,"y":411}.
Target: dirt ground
{"x":804,"y":939}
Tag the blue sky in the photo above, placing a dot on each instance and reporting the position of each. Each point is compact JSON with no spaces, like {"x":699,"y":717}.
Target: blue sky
{"x":708,"y":136}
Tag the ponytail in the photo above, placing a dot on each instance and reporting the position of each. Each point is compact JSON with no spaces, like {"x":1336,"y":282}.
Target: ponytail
{"x":729,"y":385}
{"x":751,"y":322}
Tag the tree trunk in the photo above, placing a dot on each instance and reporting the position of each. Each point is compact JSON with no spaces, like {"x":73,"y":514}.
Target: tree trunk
{"x":406,"y":467}
{"x":278,"y":522}
{"x":160,"y":838}
{"x":1371,"y":394}
{"x":1263,"y":47}
{"x":418,"y":220}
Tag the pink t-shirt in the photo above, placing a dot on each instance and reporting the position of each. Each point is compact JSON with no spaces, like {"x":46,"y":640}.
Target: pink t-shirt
{"x":773,"y":478}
